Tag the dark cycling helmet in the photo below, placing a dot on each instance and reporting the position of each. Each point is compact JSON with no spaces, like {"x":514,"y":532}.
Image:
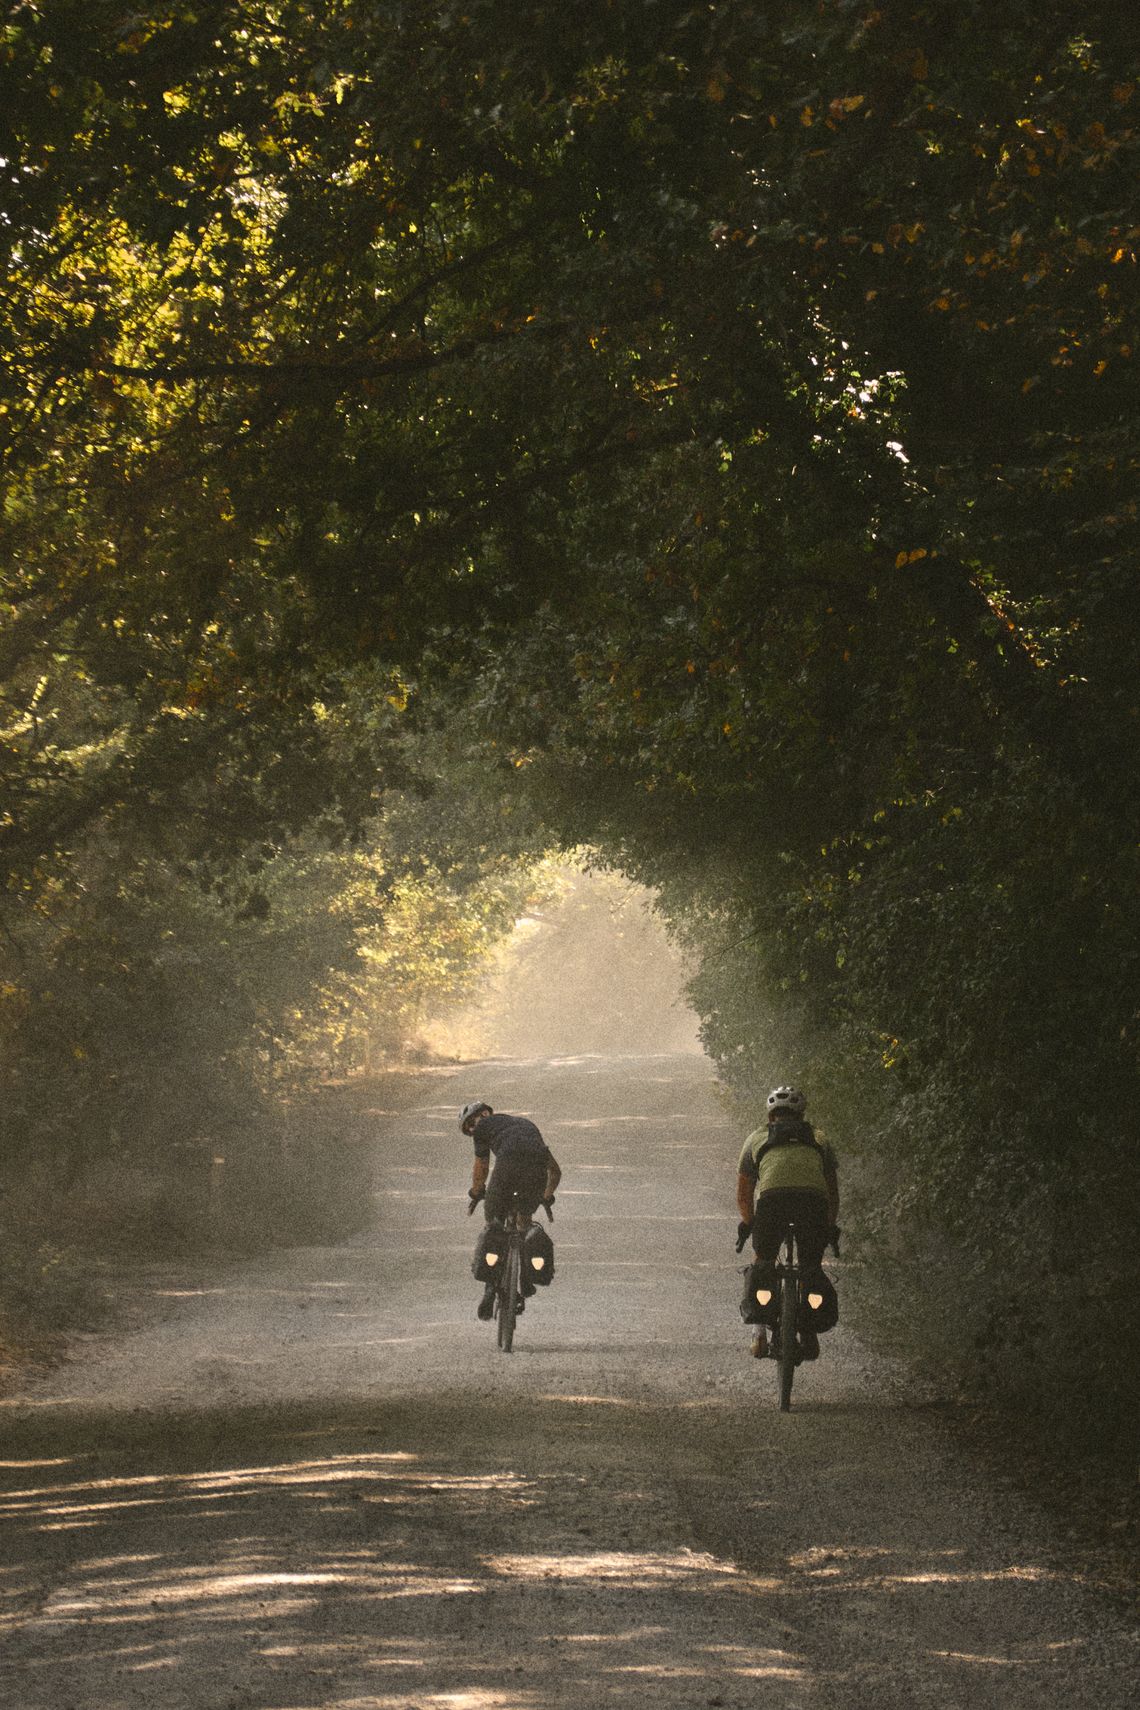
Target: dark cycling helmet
{"x":787,"y":1098}
{"x":470,"y":1111}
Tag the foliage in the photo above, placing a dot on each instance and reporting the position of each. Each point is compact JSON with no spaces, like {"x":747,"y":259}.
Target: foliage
{"x":725,"y":413}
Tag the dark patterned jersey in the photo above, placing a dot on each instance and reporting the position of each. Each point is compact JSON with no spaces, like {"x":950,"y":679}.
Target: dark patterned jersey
{"x":503,"y":1136}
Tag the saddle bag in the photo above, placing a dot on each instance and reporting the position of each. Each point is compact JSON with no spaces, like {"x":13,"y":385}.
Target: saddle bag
{"x":538,"y":1255}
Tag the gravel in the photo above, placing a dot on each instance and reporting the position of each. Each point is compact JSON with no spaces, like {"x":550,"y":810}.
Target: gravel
{"x":311,"y":1482}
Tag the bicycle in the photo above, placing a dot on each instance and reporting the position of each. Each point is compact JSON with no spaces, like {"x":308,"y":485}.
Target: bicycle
{"x":786,"y":1350}
{"x":508,"y":1273}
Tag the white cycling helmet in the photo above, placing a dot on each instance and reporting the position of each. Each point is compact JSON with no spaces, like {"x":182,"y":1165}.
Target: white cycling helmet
{"x":787,"y":1098}
{"x":469,"y":1113}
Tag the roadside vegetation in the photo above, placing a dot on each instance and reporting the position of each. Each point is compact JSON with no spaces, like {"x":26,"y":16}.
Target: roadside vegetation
{"x":169,"y":1023}
{"x":702,"y":434}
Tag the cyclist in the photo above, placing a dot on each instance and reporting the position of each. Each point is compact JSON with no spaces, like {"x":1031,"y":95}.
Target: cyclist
{"x":785,"y":1175}
{"x":524,"y":1165}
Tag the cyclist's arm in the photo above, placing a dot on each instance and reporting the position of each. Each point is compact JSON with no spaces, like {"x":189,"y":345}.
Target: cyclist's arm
{"x":831,"y":1182}
{"x":745,"y":1188}
{"x":832,"y":1199}
{"x":479,"y":1174}
{"x":553,"y":1176}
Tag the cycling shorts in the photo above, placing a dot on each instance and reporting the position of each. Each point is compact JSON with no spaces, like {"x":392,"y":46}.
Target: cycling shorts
{"x":522,"y":1174}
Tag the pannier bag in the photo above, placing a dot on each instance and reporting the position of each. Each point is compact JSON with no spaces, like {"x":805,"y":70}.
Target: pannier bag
{"x":490,"y":1251}
{"x":761,"y":1279}
{"x":538,"y":1254}
{"x":825,"y":1316}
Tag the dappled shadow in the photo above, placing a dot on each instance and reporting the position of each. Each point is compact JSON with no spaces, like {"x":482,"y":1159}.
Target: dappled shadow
{"x":337,"y":1559}
{"x":900,"y":1580}
{"x":328,"y":1568}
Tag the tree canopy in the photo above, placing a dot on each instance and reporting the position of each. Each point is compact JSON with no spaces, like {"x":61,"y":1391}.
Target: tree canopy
{"x":719,"y":420}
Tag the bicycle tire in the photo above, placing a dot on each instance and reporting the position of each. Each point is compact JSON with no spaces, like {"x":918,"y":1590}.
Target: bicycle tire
{"x":509,"y":1298}
{"x":787,"y":1367}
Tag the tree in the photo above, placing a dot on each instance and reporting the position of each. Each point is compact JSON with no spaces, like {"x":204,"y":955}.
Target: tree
{"x":728,"y":411}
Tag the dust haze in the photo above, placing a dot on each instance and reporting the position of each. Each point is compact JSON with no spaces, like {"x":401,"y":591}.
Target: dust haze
{"x":589,"y":971}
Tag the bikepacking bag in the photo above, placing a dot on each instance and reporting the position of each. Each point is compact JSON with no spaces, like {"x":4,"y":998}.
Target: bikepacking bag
{"x":538,"y":1255}
{"x":788,"y":1134}
{"x":490,"y":1253}
{"x":761,"y":1280}
{"x":825,"y":1315}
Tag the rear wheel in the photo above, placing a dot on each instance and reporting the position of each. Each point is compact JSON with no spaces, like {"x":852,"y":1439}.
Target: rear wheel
{"x":509,"y":1298}
{"x":787,"y":1340}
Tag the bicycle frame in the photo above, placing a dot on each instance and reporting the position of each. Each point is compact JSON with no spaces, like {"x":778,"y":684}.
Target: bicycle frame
{"x":786,"y":1342}
{"x":794,"y":1306}
{"x":508,"y":1277}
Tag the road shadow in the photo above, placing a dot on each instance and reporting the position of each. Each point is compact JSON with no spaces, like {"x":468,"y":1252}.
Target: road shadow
{"x":456,"y":1553}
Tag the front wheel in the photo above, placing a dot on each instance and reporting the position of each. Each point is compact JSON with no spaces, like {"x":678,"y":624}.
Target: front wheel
{"x":787,"y":1341}
{"x":509,"y":1298}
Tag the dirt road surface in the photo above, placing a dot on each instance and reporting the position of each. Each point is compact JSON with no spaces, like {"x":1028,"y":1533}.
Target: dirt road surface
{"x":310,"y":1482}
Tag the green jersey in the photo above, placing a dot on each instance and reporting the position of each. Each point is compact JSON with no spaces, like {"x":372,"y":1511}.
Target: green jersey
{"x":796,"y":1160}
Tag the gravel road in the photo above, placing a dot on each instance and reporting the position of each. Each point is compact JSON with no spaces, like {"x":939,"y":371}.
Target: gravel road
{"x":310,"y":1482}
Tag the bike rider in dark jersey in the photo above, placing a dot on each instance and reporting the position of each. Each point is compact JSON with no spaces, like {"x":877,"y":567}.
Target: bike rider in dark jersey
{"x":524,"y":1165}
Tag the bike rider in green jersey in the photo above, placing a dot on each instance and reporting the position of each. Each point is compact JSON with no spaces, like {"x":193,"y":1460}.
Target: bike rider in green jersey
{"x":785,"y":1175}
{"x":524,"y":1165}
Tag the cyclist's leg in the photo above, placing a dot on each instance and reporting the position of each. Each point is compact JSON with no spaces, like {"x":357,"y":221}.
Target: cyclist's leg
{"x":497,"y":1199}
{"x":496,"y":1202}
{"x":484,"y":1275}
{"x":768,"y":1226}
{"x":810,"y":1217}
{"x":529,"y":1180}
